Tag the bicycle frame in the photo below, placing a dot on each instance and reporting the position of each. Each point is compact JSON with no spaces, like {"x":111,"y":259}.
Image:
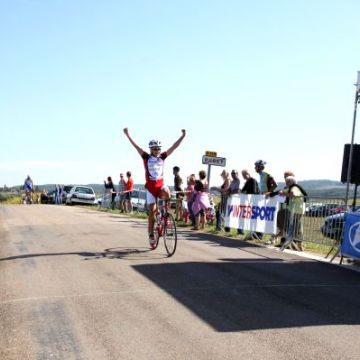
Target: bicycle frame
{"x":165,"y":226}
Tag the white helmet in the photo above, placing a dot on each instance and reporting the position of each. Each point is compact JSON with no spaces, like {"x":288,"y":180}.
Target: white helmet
{"x":154,"y":143}
{"x":260,"y":163}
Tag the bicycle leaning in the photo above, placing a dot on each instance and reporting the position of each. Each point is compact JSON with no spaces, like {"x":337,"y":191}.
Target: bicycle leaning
{"x":165,"y":226}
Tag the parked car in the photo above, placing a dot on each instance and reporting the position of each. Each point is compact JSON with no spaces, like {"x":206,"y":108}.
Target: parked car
{"x":80,"y":194}
{"x":343,"y":208}
{"x":138,"y":200}
{"x":333,"y":225}
{"x":339,"y":209}
{"x":319,"y":210}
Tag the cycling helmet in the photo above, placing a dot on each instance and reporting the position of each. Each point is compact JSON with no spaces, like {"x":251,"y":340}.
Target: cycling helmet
{"x":260,"y":163}
{"x":154,"y":143}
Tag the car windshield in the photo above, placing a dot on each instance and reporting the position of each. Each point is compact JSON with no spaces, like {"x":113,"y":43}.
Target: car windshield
{"x":84,"y":190}
{"x":138,"y":194}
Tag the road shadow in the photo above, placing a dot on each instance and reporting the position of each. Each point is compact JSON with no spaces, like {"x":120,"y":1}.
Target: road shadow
{"x":111,"y":253}
{"x":216,"y":240}
{"x":251,"y":294}
{"x":134,"y":253}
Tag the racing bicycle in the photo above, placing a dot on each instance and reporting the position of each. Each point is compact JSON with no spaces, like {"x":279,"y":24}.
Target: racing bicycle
{"x":165,"y":226}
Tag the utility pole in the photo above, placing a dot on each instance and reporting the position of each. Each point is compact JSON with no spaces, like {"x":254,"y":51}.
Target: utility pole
{"x":357,"y":100}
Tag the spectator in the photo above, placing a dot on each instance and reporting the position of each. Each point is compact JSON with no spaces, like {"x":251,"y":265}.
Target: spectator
{"x":251,"y":186}
{"x":234,"y":188}
{"x":61,"y":194}
{"x":267,"y":182}
{"x":110,"y":189}
{"x":282,"y":215}
{"x":179,"y":193}
{"x":129,"y":190}
{"x":203,"y":179}
{"x":190,"y":197}
{"x":295,"y":202}
{"x":122,"y":188}
{"x":224,"y":191}
{"x":201,"y":203}
{"x":57,"y":194}
{"x":44,"y":198}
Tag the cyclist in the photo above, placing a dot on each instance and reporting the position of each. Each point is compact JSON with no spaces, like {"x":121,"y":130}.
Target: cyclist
{"x":154,"y":176}
{"x":29,"y":188}
{"x":28,"y":184}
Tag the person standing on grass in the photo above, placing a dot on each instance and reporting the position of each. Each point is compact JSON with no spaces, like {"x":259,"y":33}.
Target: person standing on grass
{"x":122,"y":188}
{"x":266,"y":182}
{"x":200,"y":204}
{"x":110,"y":188}
{"x":129,"y":190}
{"x":190,"y":197}
{"x":179,"y":193}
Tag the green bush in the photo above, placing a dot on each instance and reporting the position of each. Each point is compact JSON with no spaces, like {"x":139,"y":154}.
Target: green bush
{"x":10,"y":198}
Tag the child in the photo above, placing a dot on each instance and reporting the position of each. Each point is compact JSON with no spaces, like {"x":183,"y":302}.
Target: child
{"x":201,"y":203}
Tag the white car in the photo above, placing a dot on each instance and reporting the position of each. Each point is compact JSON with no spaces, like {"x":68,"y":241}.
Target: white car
{"x":80,"y":194}
{"x":138,"y":200}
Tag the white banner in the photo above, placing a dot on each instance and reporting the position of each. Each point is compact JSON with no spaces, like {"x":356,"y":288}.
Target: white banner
{"x":252,"y":212}
{"x":358,"y":82}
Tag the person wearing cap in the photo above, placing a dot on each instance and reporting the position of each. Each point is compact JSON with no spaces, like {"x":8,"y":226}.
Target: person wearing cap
{"x":282,"y":215}
{"x":267,"y":182}
{"x":154,"y":176}
{"x":122,"y":188}
{"x":295,"y":195}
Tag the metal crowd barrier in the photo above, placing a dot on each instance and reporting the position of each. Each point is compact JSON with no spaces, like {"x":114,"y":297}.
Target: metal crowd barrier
{"x":321,"y":223}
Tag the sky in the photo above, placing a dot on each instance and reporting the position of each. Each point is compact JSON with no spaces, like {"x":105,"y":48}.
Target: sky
{"x":271,"y":80}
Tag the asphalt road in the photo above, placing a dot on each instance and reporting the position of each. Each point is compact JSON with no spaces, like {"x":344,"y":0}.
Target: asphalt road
{"x":81,"y":284}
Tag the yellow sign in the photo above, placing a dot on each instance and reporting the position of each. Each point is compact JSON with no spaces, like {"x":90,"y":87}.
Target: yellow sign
{"x":211,"y":153}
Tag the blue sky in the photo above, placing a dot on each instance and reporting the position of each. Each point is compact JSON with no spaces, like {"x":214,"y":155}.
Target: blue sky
{"x":270,"y":80}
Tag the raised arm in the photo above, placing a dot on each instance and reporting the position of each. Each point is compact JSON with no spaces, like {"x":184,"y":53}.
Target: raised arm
{"x":176,"y":143}
{"x":133,"y":143}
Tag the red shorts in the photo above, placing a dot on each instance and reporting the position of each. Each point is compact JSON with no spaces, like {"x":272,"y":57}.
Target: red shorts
{"x":154,"y":187}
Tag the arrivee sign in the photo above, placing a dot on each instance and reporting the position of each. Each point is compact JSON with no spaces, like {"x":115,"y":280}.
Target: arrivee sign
{"x":212,"y":160}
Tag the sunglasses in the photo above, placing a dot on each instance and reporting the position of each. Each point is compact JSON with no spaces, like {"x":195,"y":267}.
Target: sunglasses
{"x":156,"y":149}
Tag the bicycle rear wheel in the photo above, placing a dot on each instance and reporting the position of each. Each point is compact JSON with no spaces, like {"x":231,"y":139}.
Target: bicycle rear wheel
{"x":170,"y":234}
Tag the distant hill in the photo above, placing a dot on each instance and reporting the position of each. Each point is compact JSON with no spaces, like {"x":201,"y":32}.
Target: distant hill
{"x":328,"y":188}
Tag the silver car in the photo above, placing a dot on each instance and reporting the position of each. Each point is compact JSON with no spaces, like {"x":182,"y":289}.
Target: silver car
{"x":80,"y":194}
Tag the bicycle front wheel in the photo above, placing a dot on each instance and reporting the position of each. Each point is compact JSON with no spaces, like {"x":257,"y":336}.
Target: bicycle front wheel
{"x":170,"y":234}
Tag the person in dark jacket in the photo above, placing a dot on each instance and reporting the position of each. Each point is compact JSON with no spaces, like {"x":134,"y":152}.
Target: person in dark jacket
{"x":109,"y":186}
